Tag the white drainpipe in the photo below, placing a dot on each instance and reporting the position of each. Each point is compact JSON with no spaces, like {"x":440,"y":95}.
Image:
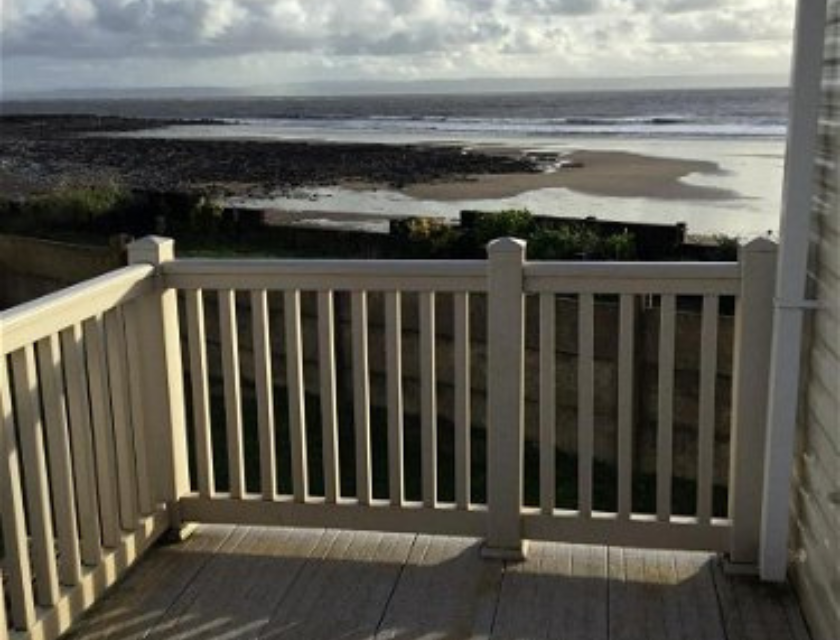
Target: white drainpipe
{"x":783,"y":403}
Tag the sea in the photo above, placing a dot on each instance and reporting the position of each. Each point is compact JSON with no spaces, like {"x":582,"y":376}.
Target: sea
{"x":741,"y":130}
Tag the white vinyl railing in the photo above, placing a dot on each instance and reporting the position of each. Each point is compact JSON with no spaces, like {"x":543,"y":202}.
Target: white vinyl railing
{"x":325,"y":280}
{"x":76,"y":502}
{"x":750,"y":283}
{"x":92,"y":382}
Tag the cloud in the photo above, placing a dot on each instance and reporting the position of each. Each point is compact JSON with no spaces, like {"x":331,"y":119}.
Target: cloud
{"x":182,"y":28}
{"x":677,"y":6}
{"x":556,"y":7}
{"x":91,"y":28}
{"x":222,"y":41}
{"x":721,"y":27}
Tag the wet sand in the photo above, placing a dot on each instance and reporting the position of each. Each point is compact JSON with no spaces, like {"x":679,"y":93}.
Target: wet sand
{"x":602,"y":173}
{"x":281,"y":217}
{"x":35,"y":152}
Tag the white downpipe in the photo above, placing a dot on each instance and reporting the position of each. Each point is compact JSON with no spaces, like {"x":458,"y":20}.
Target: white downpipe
{"x":783,"y":402}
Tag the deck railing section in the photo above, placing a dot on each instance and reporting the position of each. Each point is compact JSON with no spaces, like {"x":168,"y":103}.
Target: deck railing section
{"x":95,"y":450}
{"x":507,"y":279}
{"x":750,"y":284}
{"x":76,"y":501}
{"x":667,"y":285}
{"x":287,"y":281}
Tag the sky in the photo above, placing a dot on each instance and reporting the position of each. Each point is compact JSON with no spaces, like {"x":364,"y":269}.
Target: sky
{"x":122,"y":44}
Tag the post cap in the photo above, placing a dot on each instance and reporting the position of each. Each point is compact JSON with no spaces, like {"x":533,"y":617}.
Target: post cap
{"x":507,"y":245}
{"x":759,"y":245}
{"x":152,"y":250}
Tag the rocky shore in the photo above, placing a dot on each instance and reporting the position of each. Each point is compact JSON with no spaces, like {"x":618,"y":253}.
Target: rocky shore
{"x":39,"y":153}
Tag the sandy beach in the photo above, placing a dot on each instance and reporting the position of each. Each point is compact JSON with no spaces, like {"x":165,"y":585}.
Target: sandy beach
{"x":598,"y":173}
{"x":714,"y":186}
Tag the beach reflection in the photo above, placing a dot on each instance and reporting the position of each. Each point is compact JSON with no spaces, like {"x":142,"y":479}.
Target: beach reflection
{"x":749,"y":171}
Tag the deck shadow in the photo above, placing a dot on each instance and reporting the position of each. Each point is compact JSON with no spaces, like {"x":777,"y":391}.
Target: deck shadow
{"x":277,"y":584}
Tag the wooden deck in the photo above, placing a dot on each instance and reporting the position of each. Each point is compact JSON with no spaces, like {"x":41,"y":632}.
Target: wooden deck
{"x":245,"y":582}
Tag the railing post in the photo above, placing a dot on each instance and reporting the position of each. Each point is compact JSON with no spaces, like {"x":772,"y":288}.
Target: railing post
{"x":505,"y":404}
{"x":4,"y":626}
{"x":750,"y":379}
{"x":162,"y":382}
{"x":801,"y":183}
{"x":16,"y":560}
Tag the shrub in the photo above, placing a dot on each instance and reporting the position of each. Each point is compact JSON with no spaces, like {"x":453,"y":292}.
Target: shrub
{"x":188,"y":214}
{"x":74,"y":207}
{"x":110,"y":209}
{"x":7,"y":207}
{"x":578,"y":242}
{"x":619,"y":246}
{"x":514,"y":223}
{"x":206,"y":216}
{"x":726,"y":248}
{"x":566,"y":243}
{"x":423,"y":237}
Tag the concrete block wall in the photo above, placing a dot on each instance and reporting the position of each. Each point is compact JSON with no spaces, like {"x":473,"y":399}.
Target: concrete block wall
{"x":686,"y":409}
{"x":31,"y":267}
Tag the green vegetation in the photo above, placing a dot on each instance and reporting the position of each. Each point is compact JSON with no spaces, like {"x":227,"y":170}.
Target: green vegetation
{"x":562,"y":240}
{"x":201,"y":226}
{"x":726,"y":248}
{"x":75,"y":207}
{"x":575,"y":242}
{"x":426,"y":237}
{"x":513,"y":223}
{"x":110,"y":209}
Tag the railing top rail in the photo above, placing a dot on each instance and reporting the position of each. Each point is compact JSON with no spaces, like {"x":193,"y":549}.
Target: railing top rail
{"x":35,"y":320}
{"x":686,"y":278}
{"x":670,"y":270}
{"x":319,"y":275}
{"x":326,"y":267}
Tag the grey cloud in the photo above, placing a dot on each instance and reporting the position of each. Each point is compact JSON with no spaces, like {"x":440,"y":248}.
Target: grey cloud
{"x":556,"y":7}
{"x":692,"y":5}
{"x":94,"y":28}
{"x":730,"y":27}
{"x":320,"y":29}
{"x":676,"y":6}
{"x":123,"y":18}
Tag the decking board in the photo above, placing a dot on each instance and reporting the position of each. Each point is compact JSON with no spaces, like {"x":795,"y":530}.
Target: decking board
{"x":277,"y":584}
{"x":133,"y":607}
{"x":238,"y":591}
{"x":753,"y":610}
{"x":343,"y":590}
{"x":446,"y":590}
{"x":560,"y":591}
{"x":663,"y":595}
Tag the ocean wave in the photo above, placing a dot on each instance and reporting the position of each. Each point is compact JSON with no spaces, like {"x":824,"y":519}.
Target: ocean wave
{"x":636,"y":126}
{"x":637,"y":120}
{"x":486,"y":121}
